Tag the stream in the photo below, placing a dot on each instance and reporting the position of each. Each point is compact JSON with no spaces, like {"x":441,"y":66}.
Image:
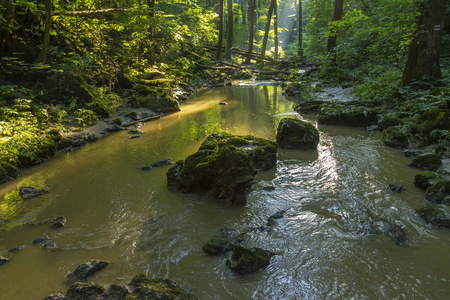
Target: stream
{"x":119,"y":213}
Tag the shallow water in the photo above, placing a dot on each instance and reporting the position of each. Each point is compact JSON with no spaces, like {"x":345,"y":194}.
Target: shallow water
{"x":119,"y":213}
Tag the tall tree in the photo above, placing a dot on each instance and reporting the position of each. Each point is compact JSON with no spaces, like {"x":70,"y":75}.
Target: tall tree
{"x":266,"y":31}
{"x":300,"y":29}
{"x":229,"y":28}
{"x":425,"y":47}
{"x":337,"y":15}
{"x":275,"y":29}
{"x":48,"y":21}
{"x":252,"y":26}
{"x":219,"y":44}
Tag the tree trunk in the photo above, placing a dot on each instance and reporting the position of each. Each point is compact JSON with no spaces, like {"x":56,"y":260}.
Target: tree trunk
{"x":229,"y":28}
{"x":300,"y":29}
{"x":252,"y":26}
{"x":337,"y":15}
{"x":424,"y":50}
{"x":266,"y":32}
{"x":275,"y":29}
{"x":219,"y":45}
{"x":244,"y":21}
{"x":48,"y":21}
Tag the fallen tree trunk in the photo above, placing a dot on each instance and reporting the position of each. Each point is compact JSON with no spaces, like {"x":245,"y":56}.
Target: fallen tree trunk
{"x":307,"y":72}
{"x":84,"y":13}
{"x":213,"y":68}
{"x":242,"y":53}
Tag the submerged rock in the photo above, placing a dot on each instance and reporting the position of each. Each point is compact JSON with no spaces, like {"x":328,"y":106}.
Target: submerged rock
{"x":296,"y":134}
{"x":439,"y":193}
{"x":3,"y":260}
{"x":84,"y":290}
{"x":222,"y":243}
{"x":278,"y":215}
{"x":59,"y":222}
{"x":394,"y":231}
{"x":336,"y":113}
{"x":248,"y":260}
{"x":157,"y":288}
{"x":84,"y":271}
{"x":427,"y":179}
{"x":436,"y":214}
{"x":429,"y":162}
{"x":396,"y":188}
{"x":55,"y":297}
{"x":224,"y":166}
{"x":28,"y":192}
{"x":268,"y":188}
{"x":40,"y":240}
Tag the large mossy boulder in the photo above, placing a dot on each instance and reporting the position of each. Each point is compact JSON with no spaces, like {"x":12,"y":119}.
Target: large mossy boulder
{"x":224,"y":166}
{"x":158,"y":288}
{"x":297,"y":134}
{"x":439,"y":193}
{"x":347,"y":114}
{"x":436,"y":214}
{"x":248,"y":260}
{"x":84,"y":290}
{"x":429,"y":162}
{"x":427,"y":179}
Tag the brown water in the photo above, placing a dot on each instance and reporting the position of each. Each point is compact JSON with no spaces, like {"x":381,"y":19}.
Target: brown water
{"x":119,"y":213}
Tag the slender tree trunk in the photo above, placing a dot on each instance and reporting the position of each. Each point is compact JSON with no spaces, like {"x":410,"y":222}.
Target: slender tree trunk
{"x":275,"y":29}
{"x":252,"y":26}
{"x":266,"y":32}
{"x":244,"y":21}
{"x":219,"y":45}
{"x":425,"y":47}
{"x":300,"y":29}
{"x":337,"y":15}
{"x":48,"y":21}
{"x":229,"y":28}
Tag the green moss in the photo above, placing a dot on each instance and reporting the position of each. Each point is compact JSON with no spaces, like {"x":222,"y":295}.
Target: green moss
{"x":427,"y":179}
{"x":438,"y":192}
{"x":347,"y":114}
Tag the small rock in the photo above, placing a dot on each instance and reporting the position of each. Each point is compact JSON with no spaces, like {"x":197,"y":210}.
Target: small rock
{"x":84,"y":291}
{"x":134,"y":137}
{"x":116,"y":127}
{"x":279,"y":214}
{"x":396,"y":188}
{"x":268,"y":188}
{"x":56,"y":297}
{"x":50,"y":245}
{"x":59,"y":222}
{"x":147,"y":168}
{"x":135,"y":131}
{"x":223,"y":103}
{"x":84,"y":271}
{"x":15,"y":249}
{"x":248,"y":260}
{"x":40,"y":240}
{"x":3,"y":260}
{"x":394,"y":231}
{"x":28,"y":192}
{"x":216,"y":246}
{"x":162,"y":163}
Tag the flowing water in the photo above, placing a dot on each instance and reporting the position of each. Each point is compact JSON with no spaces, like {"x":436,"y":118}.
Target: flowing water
{"x":121,"y":214}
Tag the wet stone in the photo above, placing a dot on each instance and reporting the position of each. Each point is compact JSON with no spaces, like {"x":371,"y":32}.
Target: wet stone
{"x":59,"y":222}
{"x":28,"y":192}
{"x":84,"y":271}
{"x":83,"y":291}
{"x":40,"y":240}
{"x":3,"y":260}
{"x":396,"y":188}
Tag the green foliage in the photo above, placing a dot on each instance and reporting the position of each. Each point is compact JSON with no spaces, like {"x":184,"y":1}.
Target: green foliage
{"x":85,"y":117}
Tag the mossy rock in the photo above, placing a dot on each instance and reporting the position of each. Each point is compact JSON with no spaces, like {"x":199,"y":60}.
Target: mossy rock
{"x":224,"y":166}
{"x":7,"y":171}
{"x":157,"y":288}
{"x":429,"y":162}
{"x":248,"y":260}
{"x":297,"y":134}
{"x":436,"y":214}
{"x":84,"y":290}
{"x":262,"y":152}
{"x":308,"y":106}
{"x":439,"y":193}
{"x":294,"y":88}
{"x":242,"y":74}
{"x":395,"y":137}
{"x":427,"y":179}
{"x":334,"y":113}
